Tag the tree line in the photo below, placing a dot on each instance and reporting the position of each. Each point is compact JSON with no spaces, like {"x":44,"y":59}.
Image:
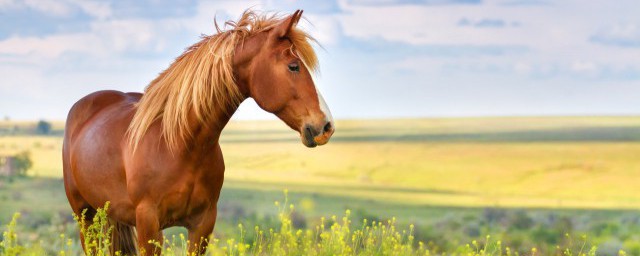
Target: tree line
{"x":42,"y":127}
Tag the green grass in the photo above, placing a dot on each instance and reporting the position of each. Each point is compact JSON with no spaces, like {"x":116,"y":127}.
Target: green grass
{"x":510,"y":162}
{"x":46,"y":214}
{"x":330,"y":236}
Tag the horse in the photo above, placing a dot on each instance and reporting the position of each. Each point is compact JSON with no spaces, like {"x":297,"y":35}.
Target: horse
{"x":155,"y":156}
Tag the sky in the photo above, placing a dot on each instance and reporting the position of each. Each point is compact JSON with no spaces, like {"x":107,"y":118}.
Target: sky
{"x":378,"y":58}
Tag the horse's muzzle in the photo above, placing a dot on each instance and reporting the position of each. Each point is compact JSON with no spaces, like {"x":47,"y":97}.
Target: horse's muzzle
{"x":316,"y":135}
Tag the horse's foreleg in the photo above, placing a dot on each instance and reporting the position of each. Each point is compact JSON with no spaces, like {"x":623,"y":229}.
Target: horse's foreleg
{"x":199,"y":232}
{"x":148,"y":228}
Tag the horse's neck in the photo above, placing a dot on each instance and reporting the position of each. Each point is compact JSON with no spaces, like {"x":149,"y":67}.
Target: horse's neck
{"x":243,"y":56}
{"x":209,"y":133}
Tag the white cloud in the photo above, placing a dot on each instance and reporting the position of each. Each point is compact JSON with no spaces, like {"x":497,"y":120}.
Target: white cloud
{"x":49,"y":7}
{"x":203,"y":21}
{"x":555,"y":38}
{"x":522,"y":68}
{"x":324,"y":28}
{"x":100,"y":10}
{"x":555,"y":34}
{"x":104,"y":38}
{"x":621,"y":34}
{"x":584,"y":66}
{"x":6,"y":3}
{"x":49,"y":46}
{"x":60,"y":8}
{"x":132,"y":34}
{"x":416,"y":24}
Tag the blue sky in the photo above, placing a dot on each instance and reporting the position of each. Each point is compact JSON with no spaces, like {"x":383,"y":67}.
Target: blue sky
{"x":381,"y":58}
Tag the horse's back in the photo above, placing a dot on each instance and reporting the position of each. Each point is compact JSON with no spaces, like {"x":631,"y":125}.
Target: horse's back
{"x":87,"y":107}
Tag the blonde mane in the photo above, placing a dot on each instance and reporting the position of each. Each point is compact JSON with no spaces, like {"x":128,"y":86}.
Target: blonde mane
{"x":199,"y":85}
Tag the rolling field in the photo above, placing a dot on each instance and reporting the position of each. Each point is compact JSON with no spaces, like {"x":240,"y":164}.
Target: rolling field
{"x":565,"y":162}
{"x":527,"y":181}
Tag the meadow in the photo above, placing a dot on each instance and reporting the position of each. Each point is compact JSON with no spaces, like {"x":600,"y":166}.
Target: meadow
{"x":527,"y":181}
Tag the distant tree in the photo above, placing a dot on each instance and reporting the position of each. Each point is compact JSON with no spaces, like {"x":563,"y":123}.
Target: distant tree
{"x":23,"y":163}
{"x":43,"y":127}
{"x":7,"y":118}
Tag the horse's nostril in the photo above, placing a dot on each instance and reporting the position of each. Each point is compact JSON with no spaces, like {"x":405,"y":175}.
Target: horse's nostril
{"x":327,"y":127}
{"x":309,"y":131}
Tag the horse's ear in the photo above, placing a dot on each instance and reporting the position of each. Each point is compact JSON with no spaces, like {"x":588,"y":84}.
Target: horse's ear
{"x":284,"y":27}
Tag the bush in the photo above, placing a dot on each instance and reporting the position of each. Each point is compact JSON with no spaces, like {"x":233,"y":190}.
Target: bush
{"x":9,"y":245}
{"x":43,"y":127}
{"x":23,"y":163}
{"x":97,"y":235}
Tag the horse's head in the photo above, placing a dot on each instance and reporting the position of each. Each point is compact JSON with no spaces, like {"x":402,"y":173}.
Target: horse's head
{"x":278,"y":77}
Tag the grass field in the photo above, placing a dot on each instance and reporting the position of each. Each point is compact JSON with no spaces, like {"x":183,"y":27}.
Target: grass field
{"x":451,"y":177}
{"x":567,"y":162}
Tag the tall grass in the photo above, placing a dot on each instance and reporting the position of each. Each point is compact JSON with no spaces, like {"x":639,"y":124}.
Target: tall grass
{"x":96,"y":235}
{"x":331,"y":236}
{"x":9,"y":245}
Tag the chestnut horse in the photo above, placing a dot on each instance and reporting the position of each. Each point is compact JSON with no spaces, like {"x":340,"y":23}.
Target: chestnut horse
{"x":155,"y":156}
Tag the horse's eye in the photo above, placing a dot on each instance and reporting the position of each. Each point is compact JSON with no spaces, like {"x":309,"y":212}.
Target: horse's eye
{"x":294,"y":67}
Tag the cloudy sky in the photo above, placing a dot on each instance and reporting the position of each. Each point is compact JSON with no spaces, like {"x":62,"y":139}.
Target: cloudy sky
{"x":381,"y":58}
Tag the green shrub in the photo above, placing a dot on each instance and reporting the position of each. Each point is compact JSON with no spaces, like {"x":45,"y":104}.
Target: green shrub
{"x":43,"y":127}
{"x":9,"y":245}
{"x":23,"y":162}
{"x":331,"y":236}
{"x":97,"y":235}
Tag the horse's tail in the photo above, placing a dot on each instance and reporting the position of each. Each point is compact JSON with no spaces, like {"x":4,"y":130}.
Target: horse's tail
{"x":123,"y":239}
